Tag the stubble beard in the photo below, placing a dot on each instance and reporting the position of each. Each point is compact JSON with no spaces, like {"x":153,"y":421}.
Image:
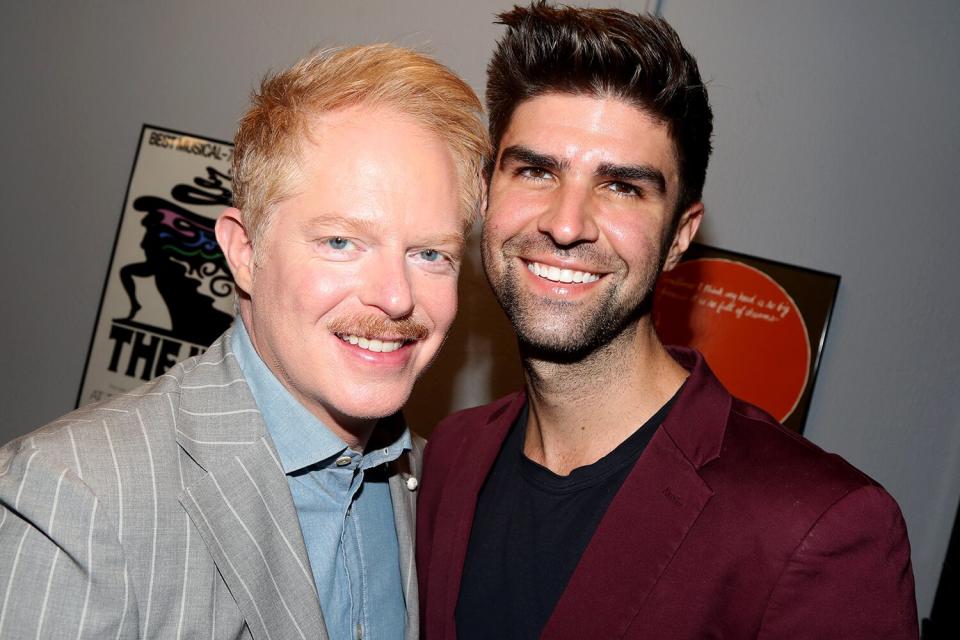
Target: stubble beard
{"x":567,"y":332}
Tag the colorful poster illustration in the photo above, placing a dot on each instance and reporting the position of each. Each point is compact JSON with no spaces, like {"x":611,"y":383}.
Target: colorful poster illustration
{"x":169,"y":292}
{"x":760,"y":324}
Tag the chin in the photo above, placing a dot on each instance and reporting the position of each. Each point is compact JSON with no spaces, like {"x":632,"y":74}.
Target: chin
{"x":374,"y":403}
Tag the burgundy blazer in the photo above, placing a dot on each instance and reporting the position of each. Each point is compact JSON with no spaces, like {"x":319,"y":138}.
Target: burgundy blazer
{"x":729,"y":526}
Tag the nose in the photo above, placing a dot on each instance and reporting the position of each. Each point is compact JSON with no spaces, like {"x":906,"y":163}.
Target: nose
{"x":385,"y":284}
{"x":569,"y":218}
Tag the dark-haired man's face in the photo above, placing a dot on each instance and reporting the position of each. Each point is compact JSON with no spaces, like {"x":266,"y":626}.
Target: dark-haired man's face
{"x":578,"y":225}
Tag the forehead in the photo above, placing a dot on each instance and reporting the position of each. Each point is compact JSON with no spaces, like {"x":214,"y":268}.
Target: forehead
{"x":374,"y":164}
{"x":357,"y":140}
{"x":589,"y":130}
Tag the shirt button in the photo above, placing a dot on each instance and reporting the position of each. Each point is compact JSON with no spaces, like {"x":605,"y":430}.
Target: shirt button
{"x":343,"y":461}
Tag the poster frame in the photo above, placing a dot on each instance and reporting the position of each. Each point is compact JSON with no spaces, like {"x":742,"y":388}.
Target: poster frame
{"x":815,"y":294}
{"x":116,"y":239}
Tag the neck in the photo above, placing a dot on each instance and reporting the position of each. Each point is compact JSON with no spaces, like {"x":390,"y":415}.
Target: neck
{"x":354,"y":432}
{"x":580,"y":411}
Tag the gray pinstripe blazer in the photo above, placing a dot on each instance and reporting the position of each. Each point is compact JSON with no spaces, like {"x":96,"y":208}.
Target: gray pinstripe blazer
{"x":165,"y":513}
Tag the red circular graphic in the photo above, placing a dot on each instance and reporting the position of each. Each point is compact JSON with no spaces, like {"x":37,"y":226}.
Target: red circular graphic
{"x":747,"y":327}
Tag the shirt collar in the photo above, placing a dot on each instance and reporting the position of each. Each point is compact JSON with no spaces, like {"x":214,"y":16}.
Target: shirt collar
{"x":301,"y":438}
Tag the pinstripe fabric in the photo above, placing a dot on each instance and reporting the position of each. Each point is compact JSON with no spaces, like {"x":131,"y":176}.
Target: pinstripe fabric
{"x":164,"y":513}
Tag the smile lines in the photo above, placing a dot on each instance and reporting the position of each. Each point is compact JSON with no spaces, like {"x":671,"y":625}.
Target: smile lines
{"x":556,"y":274}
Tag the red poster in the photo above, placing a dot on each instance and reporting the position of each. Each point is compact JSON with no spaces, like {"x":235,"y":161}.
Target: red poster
{"x":760,"y":324}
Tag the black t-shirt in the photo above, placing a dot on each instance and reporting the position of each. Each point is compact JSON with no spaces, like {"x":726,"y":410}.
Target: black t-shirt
{"x":529,"y":531}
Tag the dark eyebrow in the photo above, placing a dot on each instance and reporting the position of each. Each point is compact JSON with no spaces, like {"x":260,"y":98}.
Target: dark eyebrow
{"x":636,"y":173}
{"x":524,"y":155}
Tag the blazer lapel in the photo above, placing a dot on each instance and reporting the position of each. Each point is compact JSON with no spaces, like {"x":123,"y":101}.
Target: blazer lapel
{"x":240,"y":503}
{"x":650,"y":516}
{"x":458,"y":505}
{"x":638,"y":536}
{"x":246,"y":517}
{"x":403,"y":485}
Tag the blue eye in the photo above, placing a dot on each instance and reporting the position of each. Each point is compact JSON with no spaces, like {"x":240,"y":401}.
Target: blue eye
{"x":430,"y":255}
{"x":338,"y":243}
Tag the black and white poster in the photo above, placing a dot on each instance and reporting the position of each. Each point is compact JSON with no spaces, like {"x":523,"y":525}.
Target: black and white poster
{"x":169,"y":292}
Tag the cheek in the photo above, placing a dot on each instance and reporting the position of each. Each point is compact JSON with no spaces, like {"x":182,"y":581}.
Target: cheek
{"x":630,"y":238}
{"x":509,"y":211}
{"x":316,"y":290}
{"x":438,"y":300}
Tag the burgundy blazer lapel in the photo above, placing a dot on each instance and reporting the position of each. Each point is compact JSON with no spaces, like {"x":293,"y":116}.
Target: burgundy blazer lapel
{"x":454,"y":521}
{"x":646,"y":523}
{"x":639,"y":535}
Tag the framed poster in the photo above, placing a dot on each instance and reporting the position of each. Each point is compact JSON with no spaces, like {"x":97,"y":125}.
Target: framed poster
{"x":760,"y":324}
{"x":169,"y":292}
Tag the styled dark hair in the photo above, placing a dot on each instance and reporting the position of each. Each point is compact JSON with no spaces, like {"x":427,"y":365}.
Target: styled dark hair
{"x":604,"y":53}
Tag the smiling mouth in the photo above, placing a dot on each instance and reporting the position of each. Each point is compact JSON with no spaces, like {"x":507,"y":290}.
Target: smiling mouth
{"x":376,"y":345}
{"x":377,"y":334}
{"x":556,"y":274}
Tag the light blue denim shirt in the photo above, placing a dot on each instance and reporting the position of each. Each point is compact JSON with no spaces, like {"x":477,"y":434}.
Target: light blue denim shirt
{"x":344,"y":507}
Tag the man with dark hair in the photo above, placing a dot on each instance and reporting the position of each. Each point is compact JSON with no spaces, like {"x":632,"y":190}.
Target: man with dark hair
{"x":624,"y":493}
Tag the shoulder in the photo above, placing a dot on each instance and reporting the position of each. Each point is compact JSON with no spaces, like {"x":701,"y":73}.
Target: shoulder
{"x":819,"y":529}
{"x":81,"y":460}
{"x":746,"y":456}
{"x":841,"y":538}
{"x":152,"y":406}
{"x":92,"y":445}
{"x":457,"y":426}
{"x":765,"y":467}
{"x":753,"y":435}
{"x":62,"y":439}
{"x":457,"y":431}
{"x":54,"y":505}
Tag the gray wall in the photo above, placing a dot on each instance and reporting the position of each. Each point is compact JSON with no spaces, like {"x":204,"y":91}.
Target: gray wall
{"x":835,"y":138}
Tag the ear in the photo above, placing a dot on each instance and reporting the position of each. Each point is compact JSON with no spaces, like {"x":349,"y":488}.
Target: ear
{"x":237,"y":247}
{"x":683,"y":236}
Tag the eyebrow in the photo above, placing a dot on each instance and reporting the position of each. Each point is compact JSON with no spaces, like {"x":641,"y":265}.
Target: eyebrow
{"x":456,"y":240}
{"x":637,"y":173}
{"x":361,"y":226}
{"x":525,"y":155}
{"x":354,"y":225}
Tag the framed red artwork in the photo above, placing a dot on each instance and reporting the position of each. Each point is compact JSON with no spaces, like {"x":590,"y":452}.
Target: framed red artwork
{"x":760,"y":324}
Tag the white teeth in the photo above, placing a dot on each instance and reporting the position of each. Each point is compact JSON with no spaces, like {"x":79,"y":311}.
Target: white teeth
{"x":373,"y":344}
{"x":557,"y":274}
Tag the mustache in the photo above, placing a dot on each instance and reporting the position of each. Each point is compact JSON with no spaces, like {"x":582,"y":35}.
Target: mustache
{"x":379,"y":327}
{"x":537,"y":243}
